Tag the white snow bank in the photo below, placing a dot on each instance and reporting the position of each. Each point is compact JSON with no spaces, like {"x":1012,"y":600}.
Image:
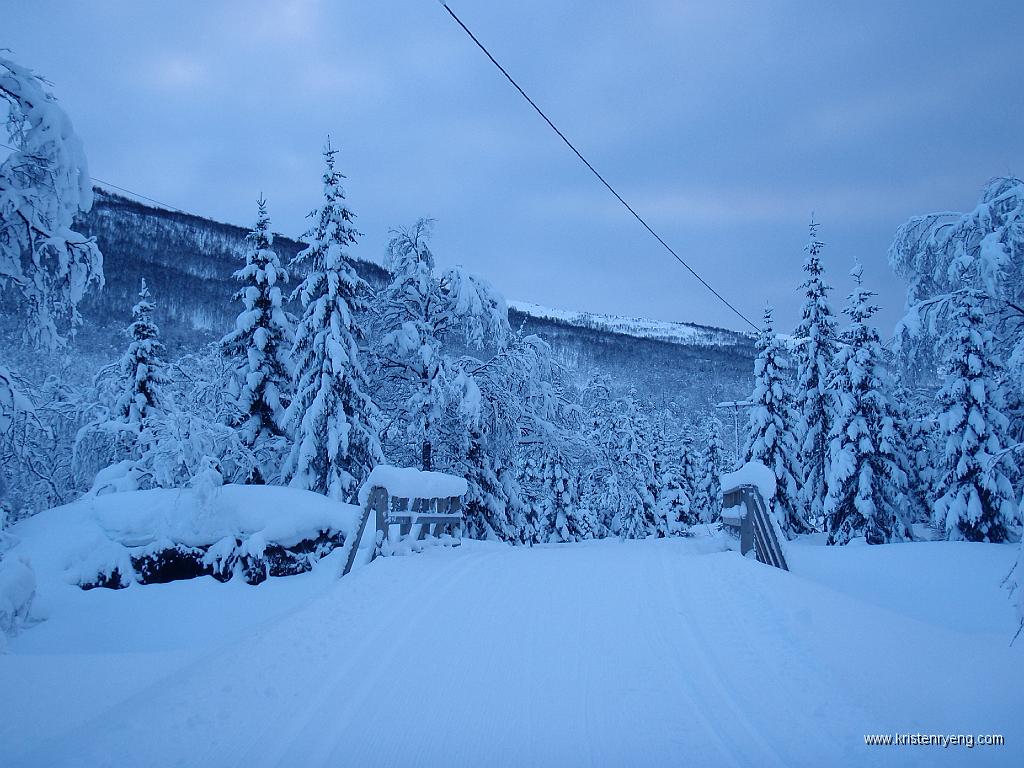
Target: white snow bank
{"x":409,"y":483}
{"x":73,"y":543}
{"x":17,"y":589}
{"x":729,"y":663}
{"x":752,"y":473}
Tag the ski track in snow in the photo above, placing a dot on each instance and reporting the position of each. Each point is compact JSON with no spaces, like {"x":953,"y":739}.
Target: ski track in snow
{"x":598,"y":654}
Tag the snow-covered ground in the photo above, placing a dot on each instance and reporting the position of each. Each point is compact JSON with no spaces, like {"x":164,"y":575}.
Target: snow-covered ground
{"x":658,"y":652}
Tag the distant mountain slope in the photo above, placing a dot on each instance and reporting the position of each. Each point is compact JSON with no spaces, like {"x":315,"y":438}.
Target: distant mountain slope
{"x":689,"y":334}
{"x":188,"y":261}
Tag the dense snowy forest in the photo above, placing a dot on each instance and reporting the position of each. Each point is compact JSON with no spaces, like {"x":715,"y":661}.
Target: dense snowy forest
{"x":332,"y":366}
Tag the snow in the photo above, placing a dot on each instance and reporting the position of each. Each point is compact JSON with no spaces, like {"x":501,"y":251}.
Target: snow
{"x":752,"y":473}
{"x":409,"y":483}
{"x":75,"y":542}
{"x":653,"y":652}
{"x":640,"y":327}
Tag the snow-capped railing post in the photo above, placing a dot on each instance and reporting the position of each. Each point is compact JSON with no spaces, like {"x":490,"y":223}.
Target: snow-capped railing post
{"x":744,"y":510}
{"x":408,"y":498}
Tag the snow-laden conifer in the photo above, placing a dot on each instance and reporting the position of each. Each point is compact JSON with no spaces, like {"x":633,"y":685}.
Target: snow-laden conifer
{"x":815,"y":350}
{"x":708,"y":491}
{"x":866,"y":484}
{"x":975,"y":499}
{"x":771,"y":438}
{"x":259,"y":346}
{"x":142,"y":369}
{"x":332,"y":418}
{"x":626,"y":442}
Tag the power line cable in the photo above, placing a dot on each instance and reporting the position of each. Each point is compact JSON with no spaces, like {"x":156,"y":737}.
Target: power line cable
{"x":593,"y":170}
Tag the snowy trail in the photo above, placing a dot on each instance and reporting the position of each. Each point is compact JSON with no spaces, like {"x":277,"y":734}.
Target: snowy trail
{"x":602,"y":654}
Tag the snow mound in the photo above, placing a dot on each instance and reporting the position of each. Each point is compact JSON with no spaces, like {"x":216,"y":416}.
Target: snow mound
{"x":409,"y":483}
{"x":17,"y":590}
{"x":127,"y":536}
{"x":752,"y":473}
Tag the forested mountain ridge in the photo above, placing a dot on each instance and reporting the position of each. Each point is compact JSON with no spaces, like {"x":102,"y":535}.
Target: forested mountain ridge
{"x":188,"y":262}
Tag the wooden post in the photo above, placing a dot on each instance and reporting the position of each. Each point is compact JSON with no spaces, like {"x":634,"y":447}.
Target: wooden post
{"x":374,"y":501}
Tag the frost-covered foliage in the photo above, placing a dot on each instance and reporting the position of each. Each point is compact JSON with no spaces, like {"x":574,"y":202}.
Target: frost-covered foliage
{"x":866,"y":484}
{"x":45,"y":267}
{"x":260,"y":343}
{"x":628,"y":503}
{"x":676,"y":489}
{"x":708,"y":491}
{"x":941,"y":253}
{"x":36,"y":462}
{"x":332,"y":417}
{"x":142,"y":367}
{"x":419,"y":314}
{"x":975,"y":498}
{"x":507,"y":414}
{"x":771,"y":439}
{"x":815,"y":338}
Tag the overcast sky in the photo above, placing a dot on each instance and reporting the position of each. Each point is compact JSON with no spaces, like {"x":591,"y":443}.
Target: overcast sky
{"x":725,"y":124}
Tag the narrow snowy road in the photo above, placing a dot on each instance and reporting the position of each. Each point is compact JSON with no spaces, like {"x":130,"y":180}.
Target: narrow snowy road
{"x":603,"y":654}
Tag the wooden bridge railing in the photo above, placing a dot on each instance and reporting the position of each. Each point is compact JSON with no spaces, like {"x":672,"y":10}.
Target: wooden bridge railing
{"x":444,"y":514}
{"x":744,"y":510}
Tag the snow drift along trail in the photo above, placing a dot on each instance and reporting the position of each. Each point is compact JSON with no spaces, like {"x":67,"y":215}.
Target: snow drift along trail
{"x":607,"y":653}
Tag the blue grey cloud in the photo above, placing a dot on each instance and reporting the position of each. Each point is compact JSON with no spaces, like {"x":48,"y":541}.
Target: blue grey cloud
{"x":726,"y":123}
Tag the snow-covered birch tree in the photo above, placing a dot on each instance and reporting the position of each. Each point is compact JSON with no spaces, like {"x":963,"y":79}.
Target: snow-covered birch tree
{"x":45,"y":266}
{"x":332,"y":418}
{"x":419,"y":313}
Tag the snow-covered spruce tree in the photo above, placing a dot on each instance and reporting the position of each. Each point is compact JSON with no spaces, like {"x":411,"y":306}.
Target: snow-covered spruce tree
{"x":259,"y":345}
{"x":975,"y":498}
{"x":562,"y":495}
{"x":771,"y":438}
{"x":815,"y":339}
{"x":866,"y":485}
{"x":334,"y":422}
{"x":626,"y":444}
{"x":915,"y":439}
{"x":45,"y":267}
{"x":708,"y":493}
{"x":676,"y":501}
{"x":142,"y":368}
{"x":419,"y":313}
